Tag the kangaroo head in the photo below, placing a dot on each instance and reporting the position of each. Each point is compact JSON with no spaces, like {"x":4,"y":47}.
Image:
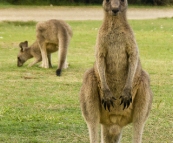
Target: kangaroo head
{"x":114,"y":7}
{"x":22,"y":56}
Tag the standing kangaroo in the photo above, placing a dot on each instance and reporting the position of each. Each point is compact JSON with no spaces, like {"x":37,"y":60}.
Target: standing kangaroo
{"x":116,"y":79}
{"x":53,"y":34}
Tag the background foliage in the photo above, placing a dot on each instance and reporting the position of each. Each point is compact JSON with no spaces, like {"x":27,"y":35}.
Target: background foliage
{"x":75,"y":2}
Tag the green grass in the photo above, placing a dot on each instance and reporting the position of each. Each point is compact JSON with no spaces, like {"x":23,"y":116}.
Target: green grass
{"x":38,"y":107}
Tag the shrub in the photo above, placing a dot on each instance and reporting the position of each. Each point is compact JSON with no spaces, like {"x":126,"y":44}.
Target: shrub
{"x":69,"y":2}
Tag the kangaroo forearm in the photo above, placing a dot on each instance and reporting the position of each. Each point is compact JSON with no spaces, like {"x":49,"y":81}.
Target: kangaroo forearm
{"x":133,"y":61}
{"x":34,"y":62}
{"x":101,"y":71}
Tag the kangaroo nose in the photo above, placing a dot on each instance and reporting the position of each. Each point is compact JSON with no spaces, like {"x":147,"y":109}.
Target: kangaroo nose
{"x":115,"y":10}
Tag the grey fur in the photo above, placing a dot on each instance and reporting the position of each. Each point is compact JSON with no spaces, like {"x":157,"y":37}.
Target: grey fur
{"x":52,"y":35}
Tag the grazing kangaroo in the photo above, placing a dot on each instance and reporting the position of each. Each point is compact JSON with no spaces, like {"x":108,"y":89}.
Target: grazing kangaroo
{"x":53,"y":34}
{"x":34,"y":51}
{"x":116,"y":79}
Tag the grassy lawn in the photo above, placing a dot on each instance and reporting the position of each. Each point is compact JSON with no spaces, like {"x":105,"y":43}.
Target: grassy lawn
{"x":38,"y":107}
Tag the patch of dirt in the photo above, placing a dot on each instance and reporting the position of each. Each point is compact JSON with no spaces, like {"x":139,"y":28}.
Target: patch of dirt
{"x":76,"y":13}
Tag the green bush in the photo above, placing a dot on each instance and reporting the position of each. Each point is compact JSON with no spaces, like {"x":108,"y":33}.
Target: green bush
{"x":162,"y":2}
{"x":28,"y":2}
{"x":152,"y":2}
{"x":73,"y":2}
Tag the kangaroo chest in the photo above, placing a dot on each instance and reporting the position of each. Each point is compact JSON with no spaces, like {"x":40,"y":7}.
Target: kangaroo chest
{"x":116,"y":59}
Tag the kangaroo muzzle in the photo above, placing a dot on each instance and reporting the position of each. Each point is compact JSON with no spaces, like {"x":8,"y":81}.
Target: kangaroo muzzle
{"x":115,"y":6}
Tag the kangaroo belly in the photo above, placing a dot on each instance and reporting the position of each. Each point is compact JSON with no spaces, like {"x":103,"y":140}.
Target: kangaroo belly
{"x":51,"y":48}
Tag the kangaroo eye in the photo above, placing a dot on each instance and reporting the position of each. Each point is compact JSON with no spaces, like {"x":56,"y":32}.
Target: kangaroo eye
{"x":122,"y":0}
{"x":107,"y":0}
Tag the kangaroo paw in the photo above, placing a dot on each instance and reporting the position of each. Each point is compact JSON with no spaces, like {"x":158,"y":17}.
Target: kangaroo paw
{"x":126,"y":98}
{"x":108,"y":100}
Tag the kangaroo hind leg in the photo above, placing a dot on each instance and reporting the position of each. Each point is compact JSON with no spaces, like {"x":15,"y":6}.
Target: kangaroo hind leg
{"x":42,"y":46}
{"x":142,"y":106}
{"x":90,"y":104}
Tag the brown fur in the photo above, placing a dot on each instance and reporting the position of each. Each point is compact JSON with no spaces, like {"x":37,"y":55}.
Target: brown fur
{"x":117,"y":79}
{"x":52,"y":35}
{"x":33,"y":51}
{"x":55,"y":32}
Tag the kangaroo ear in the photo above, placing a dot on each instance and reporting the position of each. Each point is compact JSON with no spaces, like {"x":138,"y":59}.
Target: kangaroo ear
{"x":23,"y":46}
{"x":20,"y":46}
{"x":26,"y":43}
